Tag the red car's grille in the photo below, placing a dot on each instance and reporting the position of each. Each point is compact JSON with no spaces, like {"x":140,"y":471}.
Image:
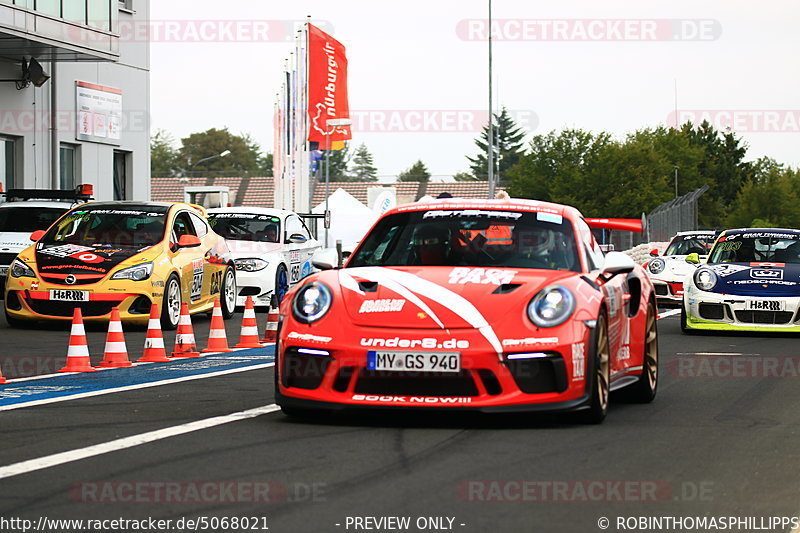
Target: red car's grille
{"x":416,"y":384}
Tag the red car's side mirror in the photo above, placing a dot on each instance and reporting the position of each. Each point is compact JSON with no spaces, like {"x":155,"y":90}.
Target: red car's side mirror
{"x":37,"y":235}
{"x":189,"y":241}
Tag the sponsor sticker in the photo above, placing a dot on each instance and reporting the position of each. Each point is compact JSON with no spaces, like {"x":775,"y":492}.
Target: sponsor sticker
{"x":578,"y":361}
{"x":445,"y":400}
{"x":481,"y":276}
{"x":428,"y":343}
{"x":382,"y":306}
{"x":724,"y":271}
{"x":530,"y":341}
{"x":309,"y":337}
{"x":549,"y":217}
{"x":65,"y":250}
{"x":766,"y":274}
{"x":197,"y":279}
{"x":471,"y":213}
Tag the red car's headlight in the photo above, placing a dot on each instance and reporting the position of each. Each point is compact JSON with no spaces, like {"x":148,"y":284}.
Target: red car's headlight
{"x":551,"y":307}
{"x":311,"y":302}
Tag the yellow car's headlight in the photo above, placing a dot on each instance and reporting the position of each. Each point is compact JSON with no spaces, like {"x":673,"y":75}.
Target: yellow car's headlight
{"x":135,"y":273}
{"x":21,"y":270}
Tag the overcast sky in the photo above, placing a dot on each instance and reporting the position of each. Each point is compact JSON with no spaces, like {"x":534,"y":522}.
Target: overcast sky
{"x":422,"y":65}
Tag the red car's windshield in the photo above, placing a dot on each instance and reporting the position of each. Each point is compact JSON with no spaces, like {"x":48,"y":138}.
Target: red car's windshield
{"x":471,"y":237}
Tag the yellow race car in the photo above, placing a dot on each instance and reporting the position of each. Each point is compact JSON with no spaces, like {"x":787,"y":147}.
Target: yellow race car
{"x":122,"y":254}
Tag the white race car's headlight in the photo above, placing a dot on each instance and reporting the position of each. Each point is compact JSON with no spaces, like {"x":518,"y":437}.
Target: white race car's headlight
{"x":135,"y":273}
{"x":251,"y":264}
{"x":311,"y":302}
{"x":21,"y":270}
{"x":551,"y":306}
{"x":705,"y":279}
{"x":657,"y":266}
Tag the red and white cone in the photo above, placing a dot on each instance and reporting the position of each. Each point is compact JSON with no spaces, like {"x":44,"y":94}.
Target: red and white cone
{"x":78,"y":352}
{"x":154,"y":351}
{"x":184,"y":337}
{"x":217,"y":338}
{"x":116,"y":353}
{"x":248,"y":337}
{"x":271,"y":330}
{"x":2,"y":379}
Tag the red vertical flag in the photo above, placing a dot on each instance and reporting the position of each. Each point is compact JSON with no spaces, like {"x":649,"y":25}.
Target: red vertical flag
{"x":327,"y":88}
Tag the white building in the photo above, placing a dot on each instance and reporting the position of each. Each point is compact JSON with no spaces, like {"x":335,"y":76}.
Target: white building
{"x":89,"y":123}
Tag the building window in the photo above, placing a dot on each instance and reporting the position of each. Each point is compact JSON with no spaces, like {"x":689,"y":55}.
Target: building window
{"x":121,"y":175}
{"x":8,"y":165}
{"x":127,"y":5}
{"x":67,"y":166}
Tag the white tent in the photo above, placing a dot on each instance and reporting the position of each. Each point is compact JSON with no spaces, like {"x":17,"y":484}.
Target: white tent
{"x":350,"y":219}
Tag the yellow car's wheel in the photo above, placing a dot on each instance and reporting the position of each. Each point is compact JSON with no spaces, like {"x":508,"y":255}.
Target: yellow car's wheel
{"x":171,"y":304}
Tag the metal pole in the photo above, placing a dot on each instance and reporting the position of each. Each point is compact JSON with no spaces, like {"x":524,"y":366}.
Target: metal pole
{"x":490,"y":154}
{"x":676,"y":182}
{"x":55,"y":147}
{"x":327,"y":182}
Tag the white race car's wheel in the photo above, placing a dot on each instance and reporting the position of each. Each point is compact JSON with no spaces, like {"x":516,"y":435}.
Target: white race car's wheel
{"x":228,"y":293}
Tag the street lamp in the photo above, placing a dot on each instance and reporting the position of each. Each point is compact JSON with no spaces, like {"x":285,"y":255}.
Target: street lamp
{"x":209,"y":158}
{"x":332,"y":124}
{"x":676,"y":167}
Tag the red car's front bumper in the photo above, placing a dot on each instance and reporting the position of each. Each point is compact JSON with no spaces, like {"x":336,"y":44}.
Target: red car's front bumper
{"x":315,"y":371}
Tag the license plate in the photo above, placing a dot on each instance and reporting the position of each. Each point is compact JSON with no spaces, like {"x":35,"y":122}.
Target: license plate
{"x":766,"y":305}
{"x":66,"y":295}
{"x":414,"y":361}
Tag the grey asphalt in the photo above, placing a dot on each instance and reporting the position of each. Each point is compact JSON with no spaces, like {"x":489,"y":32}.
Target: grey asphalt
{"x":721,"y":439}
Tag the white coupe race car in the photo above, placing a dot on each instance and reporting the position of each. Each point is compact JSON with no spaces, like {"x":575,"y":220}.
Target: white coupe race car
{"x":667,"y":272}
{"x":272,"y":250}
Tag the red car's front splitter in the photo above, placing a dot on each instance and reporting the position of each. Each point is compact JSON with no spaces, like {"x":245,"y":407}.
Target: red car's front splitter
{"x":305,"y":378}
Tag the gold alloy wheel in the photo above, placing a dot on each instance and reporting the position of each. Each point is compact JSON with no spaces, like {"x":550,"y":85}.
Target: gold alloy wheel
{"x":603,"y":364}
{"x":651,"y":348}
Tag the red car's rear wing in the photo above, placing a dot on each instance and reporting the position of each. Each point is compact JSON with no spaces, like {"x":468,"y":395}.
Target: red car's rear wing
{"x":625,"y":224}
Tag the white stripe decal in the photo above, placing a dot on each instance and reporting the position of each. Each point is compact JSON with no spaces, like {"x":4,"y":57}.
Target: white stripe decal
{"x":347,"y":282}
{"x":57,"y":459}
{"x":455,"y":302}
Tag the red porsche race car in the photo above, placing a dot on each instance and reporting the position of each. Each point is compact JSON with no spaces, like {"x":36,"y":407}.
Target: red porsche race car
{"x":485,"y":305}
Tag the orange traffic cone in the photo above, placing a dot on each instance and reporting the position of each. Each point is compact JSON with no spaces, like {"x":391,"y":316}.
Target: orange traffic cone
{"x":184,"y":337}
{"x":78,"y":352}
{"x":248,"y":338}
{"x":217,"y":338}
{"x":2,"y":379}
{"x":116,"y":353}
{"x":271,"y":331}
{"x":154,"y":342}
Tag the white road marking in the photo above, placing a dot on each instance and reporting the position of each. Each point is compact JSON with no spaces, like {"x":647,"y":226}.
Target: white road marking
{"x":671,"y":312}
{"x":131,"y":387}
{"x":49,"y":461}
{"x":723,"y":354}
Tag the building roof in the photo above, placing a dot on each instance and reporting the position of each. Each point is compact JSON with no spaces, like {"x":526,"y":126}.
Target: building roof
{"x":261,"y":191}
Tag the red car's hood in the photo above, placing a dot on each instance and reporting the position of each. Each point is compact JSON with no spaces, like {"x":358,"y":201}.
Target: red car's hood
{"x":439,"y":297}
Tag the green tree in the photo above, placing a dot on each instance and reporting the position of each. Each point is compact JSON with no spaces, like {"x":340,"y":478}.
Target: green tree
{"x":164,"y":157}
{"x":507,"y":148}
{"x":339,"y":162}
{"x":563,"y":167}
{"x":245,"y":154}
{"x":363,"y":168}
{"x":417,"y":172}
{"x":769,"y":198}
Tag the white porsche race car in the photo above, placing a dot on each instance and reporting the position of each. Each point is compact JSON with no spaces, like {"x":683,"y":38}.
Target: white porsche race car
{"x":668,"y":271}
{"x":272,"y":250}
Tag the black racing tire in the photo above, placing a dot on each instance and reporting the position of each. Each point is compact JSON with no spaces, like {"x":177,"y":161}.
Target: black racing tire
{"x":645,"y":388}
{"x":18,"y":323}
{"x":600,"y":384}
{"x":227,"y":292}
{"x":171,"y":303}
{"x":685,"y":329}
